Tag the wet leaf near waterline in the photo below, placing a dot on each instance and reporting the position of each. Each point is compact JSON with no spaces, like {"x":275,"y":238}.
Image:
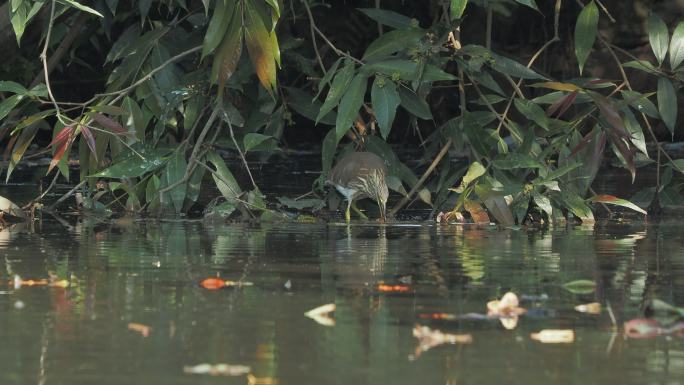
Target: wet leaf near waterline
{"x":613,"y":200}
{"x":580,"y":286}
{"x":142,"y":329}
{"x":429,"y":338}
{"x":476,"y":211}
{"x":589,"y":308}
{"x":7,"y":207}
{"x":218,"y":369}
{"x":323,"y":314}
{"x":313,"y":204}
{"x":554,"y":336}
{"x":660,"y":306}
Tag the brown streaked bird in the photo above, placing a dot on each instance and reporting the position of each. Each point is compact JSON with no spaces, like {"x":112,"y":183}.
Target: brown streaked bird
{"x":360,"y":175}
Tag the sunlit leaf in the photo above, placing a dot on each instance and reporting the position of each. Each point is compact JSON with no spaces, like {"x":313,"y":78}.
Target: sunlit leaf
{"x":9,"y":207}
{"x":558,"y":86}
{"x":475,"y":170}
{"x":350,"y":104}
{"x":667,"y":103}
{"x":456,"y":9}
{"x":585,"y":33}
{"x":260,"y":47}
{"x":385,"y":101}
{"x":80,"y":7}
{"x":544,"y":203}
{"x":677,"y":46}
{"x":613,"y":200}
{"x":387,"y":17}
{"x":658,"y":36}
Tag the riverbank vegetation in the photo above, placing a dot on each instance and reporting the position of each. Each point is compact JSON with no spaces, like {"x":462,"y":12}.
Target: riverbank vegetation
{"x":512,"y":106}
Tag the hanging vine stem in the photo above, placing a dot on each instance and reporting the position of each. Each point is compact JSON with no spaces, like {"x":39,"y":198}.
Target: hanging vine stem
{"x":313,"y":37}
{"x":242,"y":155}
{"x":44,"y":59}
{"x":327,"y":41}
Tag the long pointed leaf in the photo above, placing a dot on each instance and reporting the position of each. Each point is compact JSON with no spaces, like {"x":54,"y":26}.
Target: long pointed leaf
{"x":585,"y":33}
{"x":385,"y":100}
{"x":350,"y":104}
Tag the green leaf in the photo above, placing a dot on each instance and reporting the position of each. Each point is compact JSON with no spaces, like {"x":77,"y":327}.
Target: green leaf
{"x":337,"y":88}
{"x":641,"y":103}
{"x":252,"y":140}
{"x":328,"y":77}
{"x":328,"y":151}
{"x":585,"y":33}
{"x":132,"y":167}
{"x":457,"y":8}
{"x":532,"y":111}
{"x":13,"y":87}
{"x":218,"y":25}
{"x":174,"y":173}
{"x":312,"y":204}
{"x":224,"y":179}
{"x":475,"y":170}
{"x":80,"y":7}
{"x":407,"y":70}
{"x":301,"y":102}
{"x":388,"y":18}
{"x":613,"y":200}
{"x":578,"y":207}
{"x":498,"y":207}
{"x":385,"y":101}
{"x":8,"y":104}
{"x":350,"y":104}
{"x":262,"y":48}
{"x":580,"y":286}
{"x":530,"y":3}
{"x":414,"y":104}
{"x":544,"y":203}
{"x":229,"y":53}
{"x":392,"y":42}
{"x":513,"y":68}
{"x":667,"y":103}
{"x":22,"y":144}
{"x":658,"y":36}
{"x":515,"y":160}
{"x":677,"y":46}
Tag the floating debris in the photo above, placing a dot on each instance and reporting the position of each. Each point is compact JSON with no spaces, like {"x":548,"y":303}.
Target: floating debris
{"x":287,"y":285}
{"x":393,"y":288}
{"x":218,"y":369}
{"x":641,"y":328}
{"x":143,"y":329}
{"x":321,"y":314}
{"x":19,"y":304}
{"x":440,"y":316}
{"x":534,"y":297}
{"x":554,"y":336}
{"x":507,"y":309}
{"x":17,"y":282}
{"x":429,"y":338}
{"x":254,"y":380}
{"x":589,"y":308}
{"x":218,"y":283}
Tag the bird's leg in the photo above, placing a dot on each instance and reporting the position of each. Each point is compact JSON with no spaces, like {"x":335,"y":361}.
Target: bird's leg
{"x":347,"y":214}
{"x":356,"y":210}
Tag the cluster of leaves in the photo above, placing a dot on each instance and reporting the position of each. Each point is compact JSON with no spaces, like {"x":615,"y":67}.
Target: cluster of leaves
{"x":154,"y":130}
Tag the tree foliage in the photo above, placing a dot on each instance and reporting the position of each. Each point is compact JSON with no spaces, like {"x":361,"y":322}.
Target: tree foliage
{"x":178,"y":87}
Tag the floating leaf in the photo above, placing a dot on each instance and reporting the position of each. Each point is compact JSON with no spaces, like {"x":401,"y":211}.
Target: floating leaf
{"x":613,"y":200}
{"x":585,"y":32}
{"x":385,"y":99}
{"x":589,"y":308}
{"x":580,"y":286}
{"x":658,"y":36}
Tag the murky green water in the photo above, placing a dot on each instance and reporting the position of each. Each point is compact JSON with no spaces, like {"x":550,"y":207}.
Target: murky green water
{"x":149,"y":273}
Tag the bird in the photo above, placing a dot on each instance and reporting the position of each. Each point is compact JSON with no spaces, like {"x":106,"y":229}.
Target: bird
{"x":360,"y":175}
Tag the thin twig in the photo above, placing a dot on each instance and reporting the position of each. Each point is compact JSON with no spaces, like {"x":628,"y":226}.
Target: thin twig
{"x":422,"y":179}
{"x":43,"y":58}
{"x":66,"y":195}
{"x":325,"y":38}
{"x":41,"y":196}
{"x":242,"y":155}
{"x":313,"y":36}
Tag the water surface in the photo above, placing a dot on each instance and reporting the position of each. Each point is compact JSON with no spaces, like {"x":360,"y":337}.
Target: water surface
{"x":147,"y":272}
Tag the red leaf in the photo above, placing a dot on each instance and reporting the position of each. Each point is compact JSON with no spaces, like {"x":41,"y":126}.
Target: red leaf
{"x":64,"y":134}
{"x":90,"y":140}
{"x":58,"y":154}
{"x":108,"y":123}
{"x":562,"y":105}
